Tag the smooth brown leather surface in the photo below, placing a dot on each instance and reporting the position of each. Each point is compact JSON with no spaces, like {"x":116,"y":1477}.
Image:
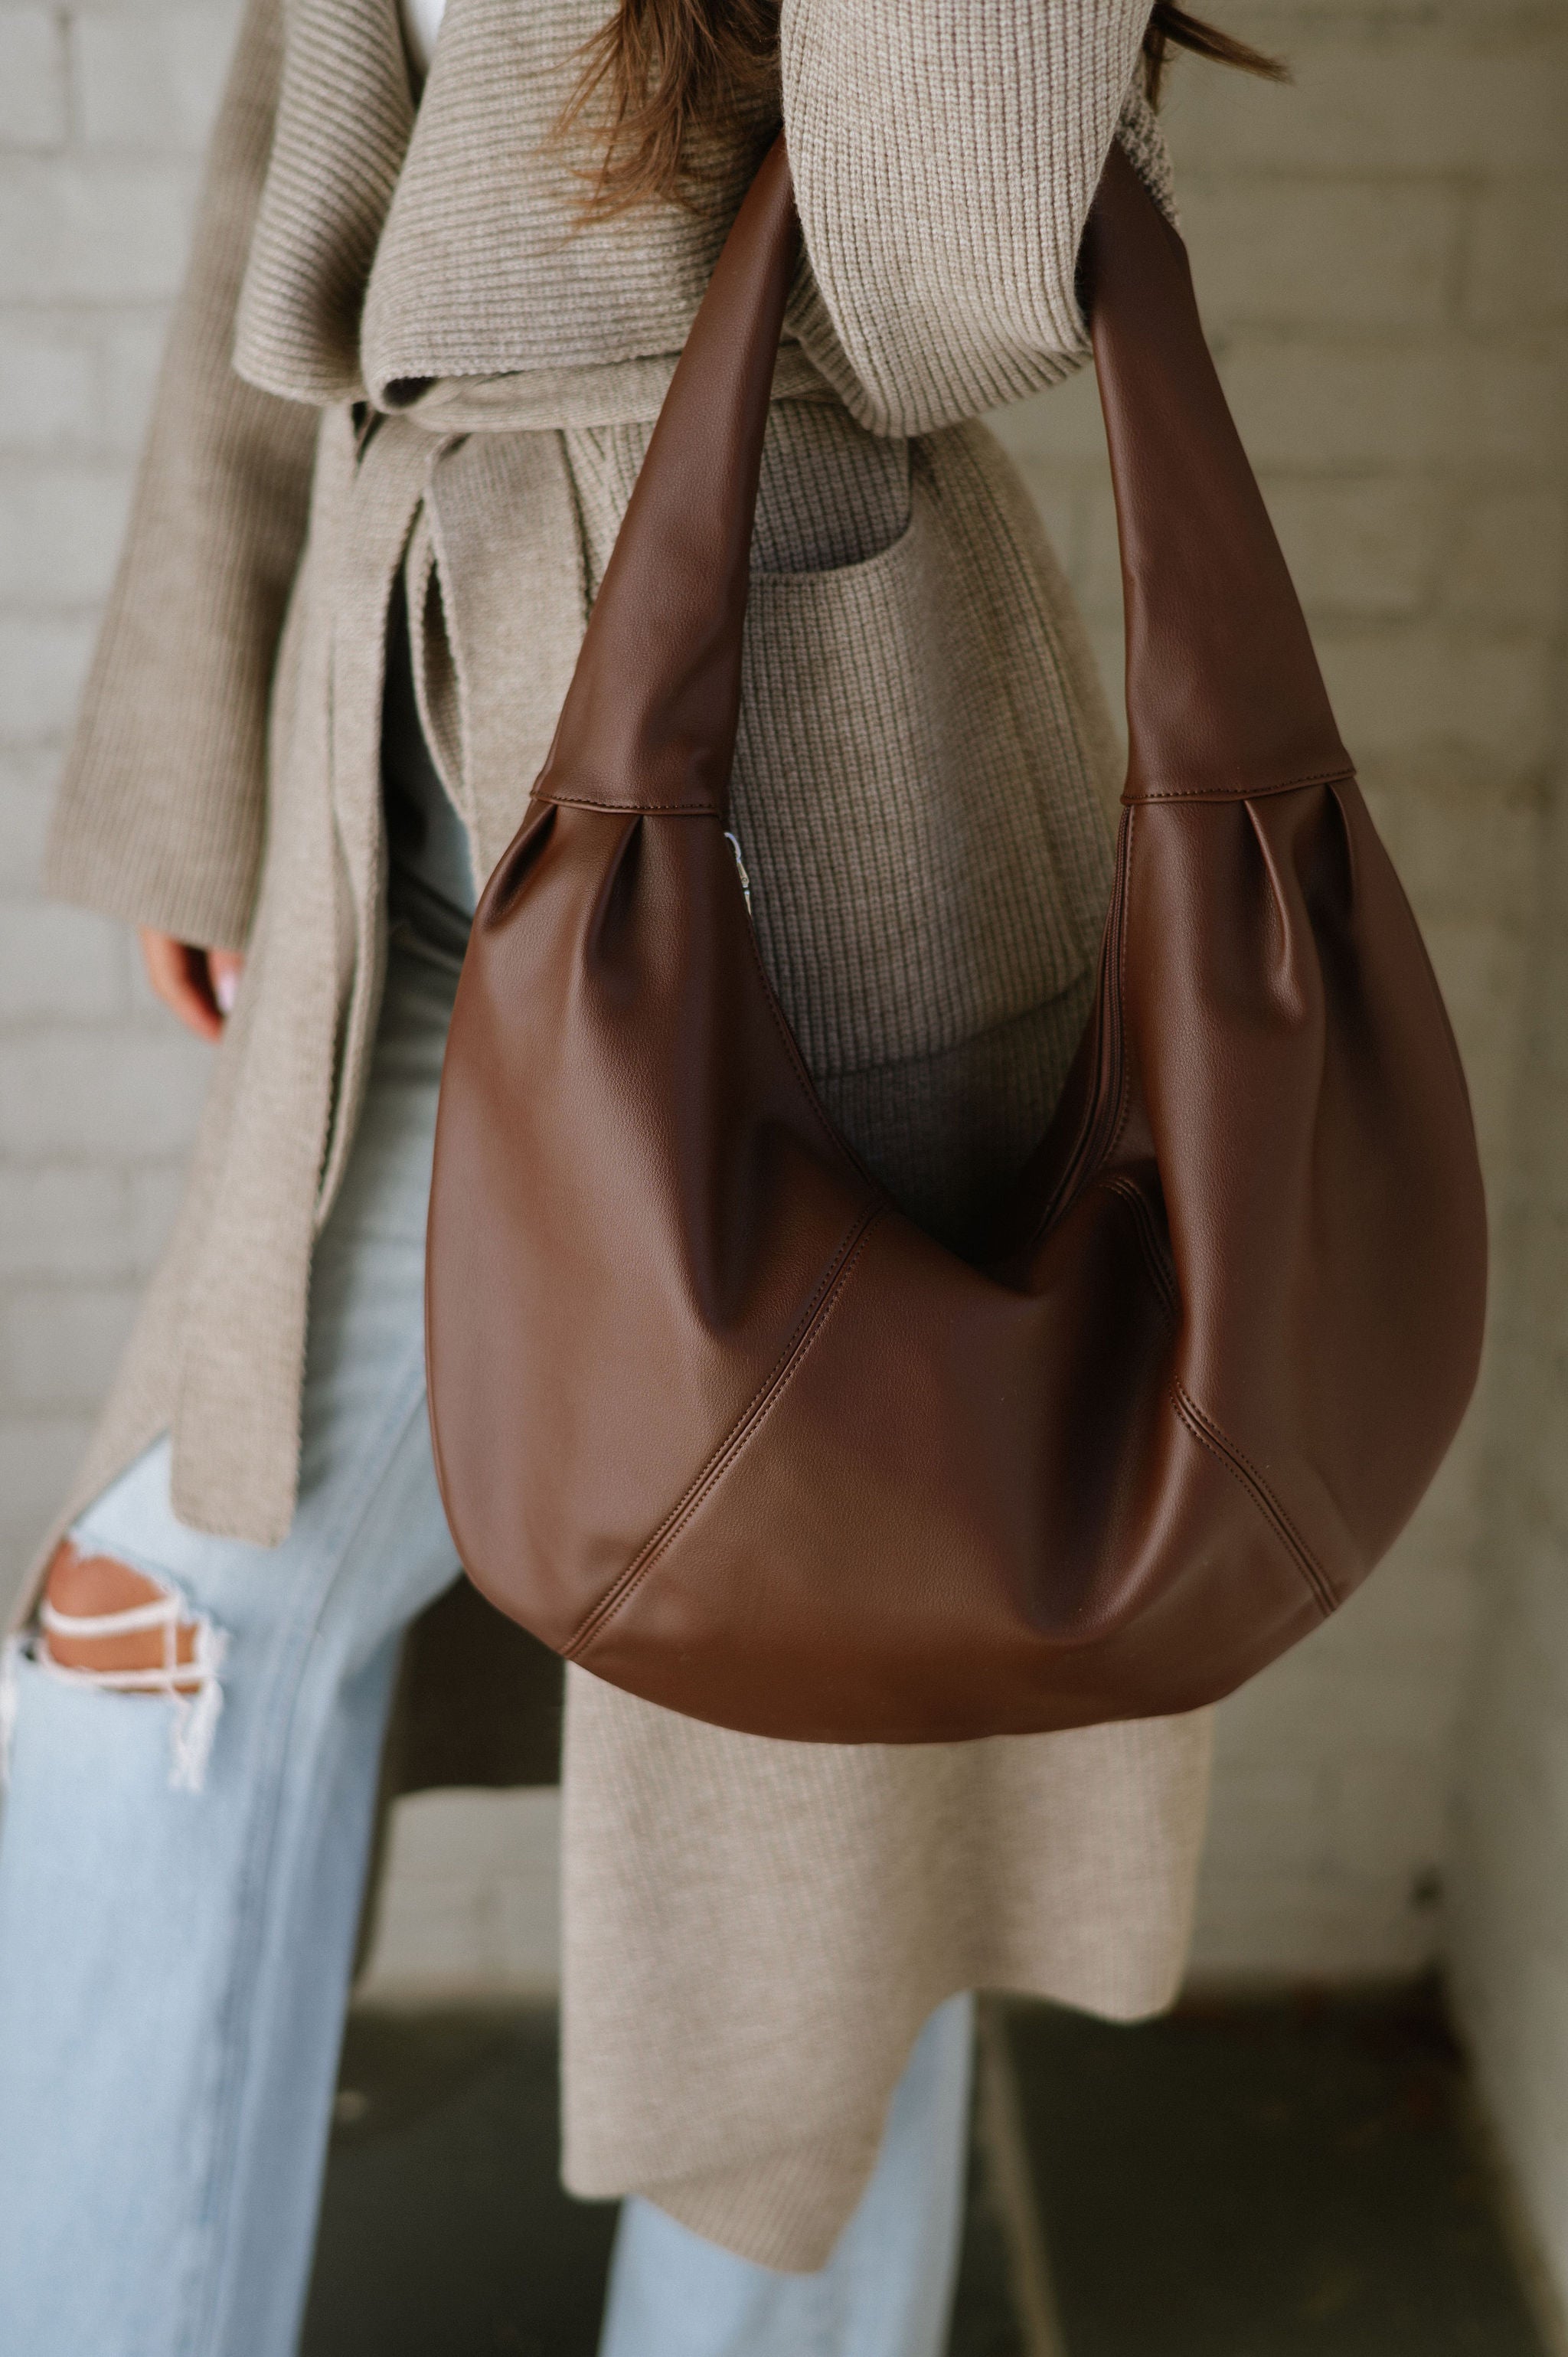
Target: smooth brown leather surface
{"x":711,"y":1416}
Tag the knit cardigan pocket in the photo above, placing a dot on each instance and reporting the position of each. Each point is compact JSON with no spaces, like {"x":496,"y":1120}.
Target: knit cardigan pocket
{"x":911,"y":791}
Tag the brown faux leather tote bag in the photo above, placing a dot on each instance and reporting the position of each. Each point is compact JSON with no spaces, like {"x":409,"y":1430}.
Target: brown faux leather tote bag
{"x":711,"y":1416}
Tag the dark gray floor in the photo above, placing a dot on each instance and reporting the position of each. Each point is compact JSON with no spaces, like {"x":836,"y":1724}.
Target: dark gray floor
{"x":443,"y":2230}
{"x":1269,"y":2181}
{"x":1280,"y":2181}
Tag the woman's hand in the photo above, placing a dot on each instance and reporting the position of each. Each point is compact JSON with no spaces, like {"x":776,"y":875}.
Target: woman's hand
{"x":197,"y":985}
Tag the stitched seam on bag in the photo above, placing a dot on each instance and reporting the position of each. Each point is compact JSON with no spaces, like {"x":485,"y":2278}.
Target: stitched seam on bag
{"x":1241,"y":794}
{"x":792,"y":1045}
{"x":1124,"y":1104}
{"x":782,"y":1372}
{"x":1161,"y":1274}
{"x":813,"y":1320}
{"x":1078,"y":1173}
{"x":1224,"y":1450}
{"x":631,"y":810}
{"x":1247,"y":1471}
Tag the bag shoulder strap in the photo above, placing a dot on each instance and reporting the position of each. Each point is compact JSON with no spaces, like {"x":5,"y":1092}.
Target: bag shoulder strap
{"x":650,"y":720}
{"x":1224,"y":696}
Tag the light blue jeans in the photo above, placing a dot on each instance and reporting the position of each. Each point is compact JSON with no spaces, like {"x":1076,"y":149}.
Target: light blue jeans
{"x":174,"y":1962}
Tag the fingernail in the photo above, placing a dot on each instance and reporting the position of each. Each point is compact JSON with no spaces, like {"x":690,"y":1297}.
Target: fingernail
{"x":224,"y":985}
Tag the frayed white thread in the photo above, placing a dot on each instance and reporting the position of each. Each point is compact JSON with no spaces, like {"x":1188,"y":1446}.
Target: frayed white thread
{"x":192,"y":1686}
{"x":196,"y":1715}
{"x":165,"y":1614}
{"x":10,"y":1659}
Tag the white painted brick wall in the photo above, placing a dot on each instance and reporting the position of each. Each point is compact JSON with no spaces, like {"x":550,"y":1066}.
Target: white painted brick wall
{"x":143,"y":78}
{"x":32,"y":78}
{"x":1383,"y":252}
{"x":471,"y":1898}
{"x":1510,"y":1871}
{"x":101,"y":112}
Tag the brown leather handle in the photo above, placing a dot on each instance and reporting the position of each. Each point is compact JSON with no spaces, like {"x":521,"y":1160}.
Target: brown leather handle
{"x":650,"y":720}
{"x":1224,"y":696}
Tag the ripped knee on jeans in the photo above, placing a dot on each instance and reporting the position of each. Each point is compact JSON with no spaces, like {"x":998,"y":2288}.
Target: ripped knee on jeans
{"x":103,"y":1623}
{"x":118,"y":1626}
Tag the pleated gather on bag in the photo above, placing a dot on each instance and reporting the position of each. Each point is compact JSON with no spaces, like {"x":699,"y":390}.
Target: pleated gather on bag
{"x":711,"y":1415}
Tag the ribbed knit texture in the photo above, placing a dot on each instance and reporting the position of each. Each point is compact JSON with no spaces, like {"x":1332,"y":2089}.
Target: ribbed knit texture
{"x":945,"y":153}
{"x":394,"y":248}
{"x":344,"y":119}
{"x":754,"y":1931}
{"x":161,"y":814}
{"x":878,"y":1881}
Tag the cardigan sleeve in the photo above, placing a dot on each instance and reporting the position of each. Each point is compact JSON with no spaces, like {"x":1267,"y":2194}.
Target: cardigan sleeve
{"x":945,"y":153}
{"x":161,"y":810}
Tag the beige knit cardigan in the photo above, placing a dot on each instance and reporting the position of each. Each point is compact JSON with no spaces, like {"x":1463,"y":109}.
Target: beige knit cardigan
{"x":396,"y":359}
